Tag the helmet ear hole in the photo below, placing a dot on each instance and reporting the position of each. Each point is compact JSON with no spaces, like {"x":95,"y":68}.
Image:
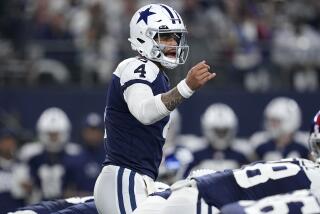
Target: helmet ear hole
{"x":140,"y":40}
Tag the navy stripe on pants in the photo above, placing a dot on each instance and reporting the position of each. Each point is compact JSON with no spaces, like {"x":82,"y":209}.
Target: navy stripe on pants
{"x":119,"y":188}
{"x":131,"y":191}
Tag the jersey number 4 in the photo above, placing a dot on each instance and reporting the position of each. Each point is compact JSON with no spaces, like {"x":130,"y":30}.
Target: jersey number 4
{"x":141,"y":70}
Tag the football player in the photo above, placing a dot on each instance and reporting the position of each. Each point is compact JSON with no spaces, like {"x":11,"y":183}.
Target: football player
{"x":73,"y":205}
{"x":251,"y":182}
{"x":220,"y":149}
{"x":52,"y":169}
{"x":139,"y":102}
{"x":92,"y":154}
{"x":282,"y":119}
{"x":12,"y":193}
{"x":300,"y":201}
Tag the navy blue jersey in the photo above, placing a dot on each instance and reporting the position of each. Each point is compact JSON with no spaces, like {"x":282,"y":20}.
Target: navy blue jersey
{"x":8,"y":201}
{"x":297,"y":148}
{"x":90,"y":164}
{"x":52,"y":172}
{"x":258,"y":180}
{"x":84,"y":208}
{"x":129,"y":143}
{"x":298,"y":202}
{"x":211,"y":158}
{"x":45,"y":207}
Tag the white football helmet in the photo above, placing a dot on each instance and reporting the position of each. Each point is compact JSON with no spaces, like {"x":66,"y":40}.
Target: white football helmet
{"x":282,"y":116}
{"x":314,"y":138}
{"x":149,"y":24}
{"x":219,"y":125}
{"x":53,"y":129}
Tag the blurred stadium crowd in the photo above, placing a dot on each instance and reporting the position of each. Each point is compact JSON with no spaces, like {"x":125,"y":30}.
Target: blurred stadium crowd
{"x":255,"y":45}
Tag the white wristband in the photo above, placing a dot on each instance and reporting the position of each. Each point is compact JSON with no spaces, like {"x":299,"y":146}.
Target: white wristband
{"x":184,"y":89}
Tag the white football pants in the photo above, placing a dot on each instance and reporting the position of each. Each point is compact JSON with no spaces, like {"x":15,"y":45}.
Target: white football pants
{"x":120,"y":190}
{"x":187,"y":201}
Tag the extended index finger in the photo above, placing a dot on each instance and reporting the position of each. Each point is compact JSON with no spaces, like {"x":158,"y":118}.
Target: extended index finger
{"x":201,"y":65}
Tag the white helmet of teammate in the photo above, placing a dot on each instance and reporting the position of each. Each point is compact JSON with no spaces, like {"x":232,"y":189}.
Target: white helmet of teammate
{"x":219,"y":125}
{"x":53,"y":129}
{"x":150,"y":23}
{"x":282,"y":116}
{"x":314,"y":138}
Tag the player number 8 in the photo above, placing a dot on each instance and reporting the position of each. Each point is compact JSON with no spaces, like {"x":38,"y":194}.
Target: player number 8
{"x":261,"y":173}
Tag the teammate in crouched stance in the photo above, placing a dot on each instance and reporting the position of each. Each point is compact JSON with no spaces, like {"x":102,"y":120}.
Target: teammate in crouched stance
{"x":75,"y":205}
{"x":139,"y":102}
{"x":252,"y":182}
{"x":300,"y":201}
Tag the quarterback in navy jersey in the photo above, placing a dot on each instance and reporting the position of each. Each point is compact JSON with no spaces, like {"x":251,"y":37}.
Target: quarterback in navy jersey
{"x":220,"y":148}
{"x":281,"y":138}
{"x":139,"y":102}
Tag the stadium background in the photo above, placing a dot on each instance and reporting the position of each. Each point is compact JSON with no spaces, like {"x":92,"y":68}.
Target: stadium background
{"x":62,"y":53}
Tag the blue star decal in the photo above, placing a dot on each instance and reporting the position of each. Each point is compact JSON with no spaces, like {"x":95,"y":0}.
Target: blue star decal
{"x":144,"y":15}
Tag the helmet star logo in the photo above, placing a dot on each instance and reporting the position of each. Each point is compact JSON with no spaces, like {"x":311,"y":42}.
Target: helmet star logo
{"x":144,"y":15}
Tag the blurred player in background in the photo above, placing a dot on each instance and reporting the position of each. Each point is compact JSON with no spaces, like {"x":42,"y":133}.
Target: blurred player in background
{"x":282,"y":119}
{"x":251,"y":182}
{"x":12,"y":193}
{"x":176,"y":156}
{"x":219,"y":149}
{"x":138,"y":106}
{"x":92,"y":155}
{"x":52,"y":170}
{"x":302,"y":201}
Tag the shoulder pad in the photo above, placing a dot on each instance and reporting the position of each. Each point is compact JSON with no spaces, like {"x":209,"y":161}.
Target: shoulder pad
{"x":30,"y":150}
{"x":192,"y":142}
{"x":243,"y":146}
{"x":72,"y":149}
{"x":301,"y":138}
{"x":259,"y":138}
{"x":134,"y":68}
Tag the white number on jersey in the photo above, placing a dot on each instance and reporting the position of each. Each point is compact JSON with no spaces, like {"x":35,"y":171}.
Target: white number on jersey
{"x":250,"y":176}
{"x":51,"y":180}
{"x":281,"y":203}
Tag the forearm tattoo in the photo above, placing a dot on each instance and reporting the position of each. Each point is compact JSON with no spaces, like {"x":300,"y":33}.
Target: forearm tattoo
{"x":172,"y":98}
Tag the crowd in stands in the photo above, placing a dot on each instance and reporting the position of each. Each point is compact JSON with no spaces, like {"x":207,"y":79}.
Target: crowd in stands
{"x":252,"y":45}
